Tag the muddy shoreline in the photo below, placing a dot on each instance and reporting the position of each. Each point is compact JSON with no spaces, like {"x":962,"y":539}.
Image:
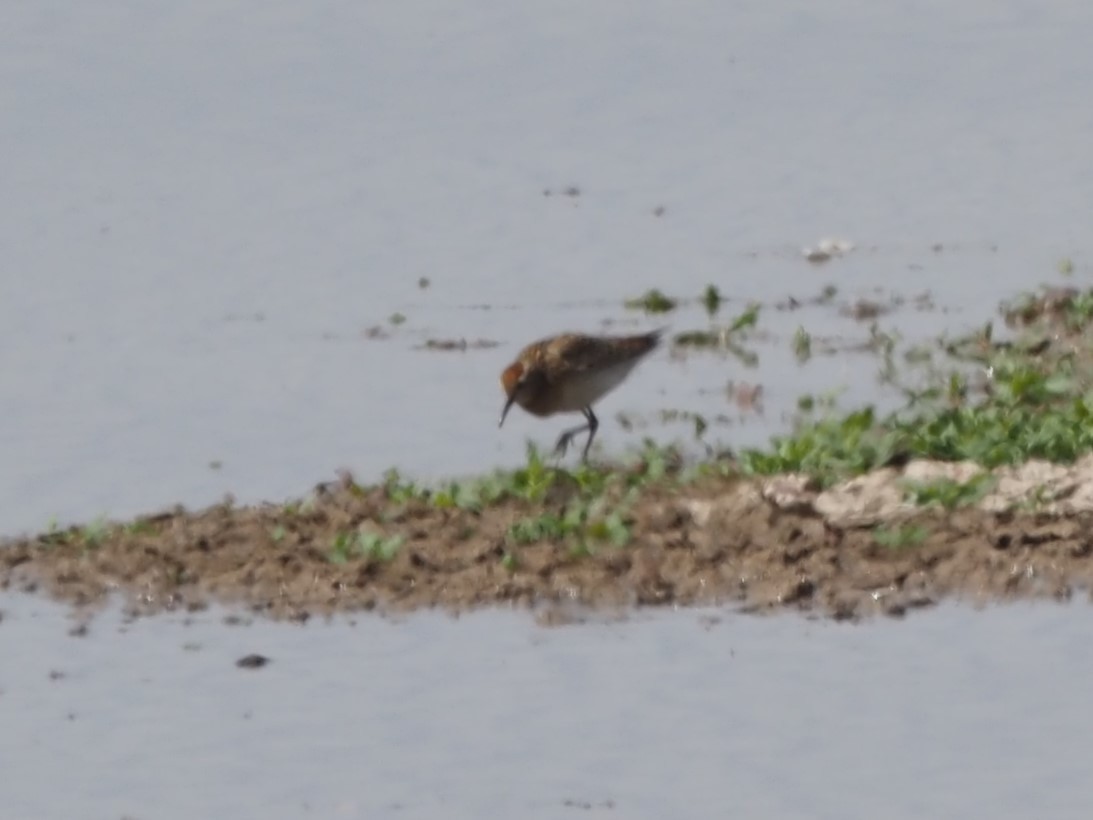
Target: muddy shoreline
{"x":856,"y":550}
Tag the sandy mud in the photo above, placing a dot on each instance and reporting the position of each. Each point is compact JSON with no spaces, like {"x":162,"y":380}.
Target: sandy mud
{"x":856,"y":549}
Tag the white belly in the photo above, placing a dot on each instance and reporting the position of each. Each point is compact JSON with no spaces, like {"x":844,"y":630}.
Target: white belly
{"x":584,"y":389}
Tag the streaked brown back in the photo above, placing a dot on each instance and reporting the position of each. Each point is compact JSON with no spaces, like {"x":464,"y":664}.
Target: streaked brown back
{"x":575,"y":352}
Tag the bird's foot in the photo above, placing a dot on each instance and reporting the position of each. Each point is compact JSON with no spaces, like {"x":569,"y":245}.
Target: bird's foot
{"x":563,"y":443}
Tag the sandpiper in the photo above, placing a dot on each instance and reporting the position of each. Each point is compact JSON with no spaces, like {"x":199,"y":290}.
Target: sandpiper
{"x":568,"y":373}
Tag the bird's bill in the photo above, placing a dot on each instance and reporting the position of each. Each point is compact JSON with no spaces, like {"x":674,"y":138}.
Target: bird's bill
{"x":505,"y":411}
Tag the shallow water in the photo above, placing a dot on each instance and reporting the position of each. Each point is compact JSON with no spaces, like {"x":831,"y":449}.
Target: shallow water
{"x":198,"y":223}
{"x":952,"y":713}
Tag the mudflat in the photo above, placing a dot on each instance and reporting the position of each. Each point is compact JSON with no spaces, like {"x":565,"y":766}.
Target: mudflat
{"x":765,"y":544}
{"x":981,"y":488}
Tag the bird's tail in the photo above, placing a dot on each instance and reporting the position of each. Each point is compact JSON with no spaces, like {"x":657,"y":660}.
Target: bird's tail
{"x":643,"y":343}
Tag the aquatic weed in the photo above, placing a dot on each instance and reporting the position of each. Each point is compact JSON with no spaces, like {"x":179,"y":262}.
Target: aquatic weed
{"x":652,"y":301}
{"x":711,"y":299}
{"x":802,"y":344}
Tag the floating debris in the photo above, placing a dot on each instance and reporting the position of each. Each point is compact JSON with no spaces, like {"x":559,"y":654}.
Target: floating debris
{"x":864,"y":309}
{"x":458,"y":344}
{"x":827,"y":248}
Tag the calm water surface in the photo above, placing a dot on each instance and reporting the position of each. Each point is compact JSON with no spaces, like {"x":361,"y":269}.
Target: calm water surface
{"x":207,"y":204}
{"x":951,"y":713}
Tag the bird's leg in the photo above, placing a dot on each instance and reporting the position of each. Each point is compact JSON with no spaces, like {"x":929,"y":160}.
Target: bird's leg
{"x":565,"y":438}
{"x":593,"y":426}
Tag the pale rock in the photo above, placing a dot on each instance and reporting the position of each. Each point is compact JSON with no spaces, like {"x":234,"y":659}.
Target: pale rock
{"x":793,"y":491}
{"x":864,"y":501}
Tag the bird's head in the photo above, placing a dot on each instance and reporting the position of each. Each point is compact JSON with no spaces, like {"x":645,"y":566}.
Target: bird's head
{"x":521,"y":384}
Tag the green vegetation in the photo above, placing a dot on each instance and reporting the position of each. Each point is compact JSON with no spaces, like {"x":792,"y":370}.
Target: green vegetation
{"x":655,"y":301}
{"x":140,"y":526}
{"x":652,"y":301}
{"x":948,"y":493}
{"x":598,"y":501}
{"x":746,"y":320}
{"x":697,"y":338}
{"x":369,"y":545}
{"x":728,"y":339}
{"x":802,"y":345}
{"x":586,"y":506}
{"x":900,"y":537}
{"x":88,"y":535}
{"x":582,"y":520}
{"x":711,"y":299}
{"x":978,"y":398}
{"x":988,"y":401}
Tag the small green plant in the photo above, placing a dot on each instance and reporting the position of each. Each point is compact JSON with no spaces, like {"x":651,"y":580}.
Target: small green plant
{"x":802,"y":345}
{"x":590,"y":514}
{"x":900,"y":537}
{"x":93,"y":534}
{"x":711,"y":299}
{"x":140,"y":526}
{"x":543,"y":527}
{"x":400,"y":491}
{"x":948,"y":493}
{"x":348,"y":545}
{"x":652,"y":463}
{"x":701,"y":425}
{"x":1035,"y":501}
{"x":463,"y":495}
{"x":397,"y":319}
{"x":591,"y":481}
{"x":829,"y":449}
{"x":54,"y":535}
{"x":1079,"y":310}
{"x":374,"y":545}
{"x":652,"y":301}
{"x":697,"y":338}
{"x":612,"y":527}
{"x":748,"y":319}
{"x":532,"y":481}
{"x":957,"y":389}
{"x":342,"y":547}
